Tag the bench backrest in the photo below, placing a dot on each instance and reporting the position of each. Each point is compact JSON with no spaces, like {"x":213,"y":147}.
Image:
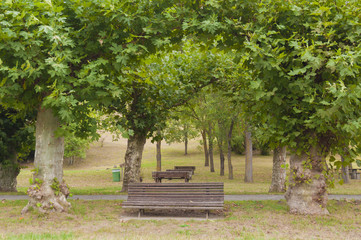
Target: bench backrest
{"x":176,"y":192}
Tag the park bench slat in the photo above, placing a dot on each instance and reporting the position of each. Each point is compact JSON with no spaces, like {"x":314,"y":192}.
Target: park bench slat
{"x":177,"y":207}
{"x":177,"y":184}
{"x":179,"y":194}
{"x":200,"y":196}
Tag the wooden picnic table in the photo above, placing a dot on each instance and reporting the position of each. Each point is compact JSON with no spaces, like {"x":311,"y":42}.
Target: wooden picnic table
{"x":158,"y":175}
{"x":189,"y":168}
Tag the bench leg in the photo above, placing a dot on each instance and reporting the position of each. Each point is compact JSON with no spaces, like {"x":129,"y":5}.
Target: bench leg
{"x":140,"y":212}
{"x":207,"y":214}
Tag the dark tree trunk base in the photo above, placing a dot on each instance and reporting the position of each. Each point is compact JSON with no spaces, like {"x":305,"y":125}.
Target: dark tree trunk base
{"x":133,"y":160}
{"x":8,"y":175}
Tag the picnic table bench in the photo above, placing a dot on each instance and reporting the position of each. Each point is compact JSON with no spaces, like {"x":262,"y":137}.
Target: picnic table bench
{"x":188,"y":168}
{"x":198,"y":196}
{"x":158,"y":176}
{"x":354,"y":174}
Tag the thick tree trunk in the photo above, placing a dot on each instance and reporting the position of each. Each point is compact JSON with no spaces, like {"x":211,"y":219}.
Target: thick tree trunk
{"x":210,"y":149}
{"x":307,"y":193}
{"x":345,"y":172}
{"x":278,"y":173}
{"x":8,"y":175}
{"x":248,"y":178}
{"x":185,"y":140}
{"x":48,"y":191}
{"x":205,"y":147}
{"x":159,"y":155}
{"x":133,"y":160}
{"x":229,"y":152}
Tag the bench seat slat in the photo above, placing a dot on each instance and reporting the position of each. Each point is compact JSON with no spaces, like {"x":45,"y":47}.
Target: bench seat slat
{"x":156,"y":203}
{"x":174,"y":207}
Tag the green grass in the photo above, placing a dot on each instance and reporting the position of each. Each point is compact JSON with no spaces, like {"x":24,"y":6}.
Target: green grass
{"x":93,"y":175}
{"x":242,"y":220}
{"x":40,"y":236}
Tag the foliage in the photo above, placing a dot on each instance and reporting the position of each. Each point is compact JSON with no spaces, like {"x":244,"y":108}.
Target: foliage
{"x":178,"y":128}
{"x":303,"y":59}
{"x":16,"y":136}
{"x":75,"y":147}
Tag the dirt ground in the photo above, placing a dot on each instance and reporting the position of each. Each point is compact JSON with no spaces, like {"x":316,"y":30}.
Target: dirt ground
{"x":239,"y":220}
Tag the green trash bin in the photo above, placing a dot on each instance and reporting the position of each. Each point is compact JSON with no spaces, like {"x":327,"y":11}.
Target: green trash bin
{"x":116,"y":175}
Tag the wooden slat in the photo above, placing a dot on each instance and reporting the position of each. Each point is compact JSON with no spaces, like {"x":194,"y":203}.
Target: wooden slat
{"x":142,"y":203}
{"x":175,"y":195}
{"x":178,"y":194}
{"x":174,"y":185}
{"x":174,"y":207}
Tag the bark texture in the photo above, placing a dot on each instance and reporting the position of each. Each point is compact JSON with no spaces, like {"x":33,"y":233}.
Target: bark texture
{"x":345,"y":173}
{"x":278,"y":172}
{"x":48,"y":192}
{"x":159,"y":155}
{"x":185,"y":139}
{"x":133,"y":160}
{"x":229,"y":152}
{"x":210,"y":149}
{"x":248,"y":178}
{"x":307,"y":193}
{"x":221,"y":158}
{"x":8,"y":175}
{"x":205,"y":147}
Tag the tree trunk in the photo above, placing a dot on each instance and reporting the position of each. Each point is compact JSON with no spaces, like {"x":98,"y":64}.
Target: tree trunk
{"x":8,"y":175}
{"x":220,"y":146}
{"x":48,"y":191}
{"x":345,"y":172}
{"x":229,"y":152}
{"x":159,"y":155}
{"x":278,"y":173}
{"x":205,"y":147}
{"x":248,"y":178}
{"x":133,"y":159}
{"x":307,"y":193}
{"x":221,"y":158}
{"x":185,"y":140}
{"x":210,"y":149}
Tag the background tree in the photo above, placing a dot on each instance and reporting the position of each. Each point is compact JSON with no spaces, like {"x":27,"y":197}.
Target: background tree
{"x":16,"y":141}
{"x":303,"y":59}
{"x":35,"y":58}
{"x":180,"y":128}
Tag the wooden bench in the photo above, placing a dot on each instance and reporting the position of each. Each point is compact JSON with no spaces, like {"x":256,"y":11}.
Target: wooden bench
{"x":187,"y":168}
{"x":158,"y":176}
{"x":198,"y":196}
{"x":354,"y":174}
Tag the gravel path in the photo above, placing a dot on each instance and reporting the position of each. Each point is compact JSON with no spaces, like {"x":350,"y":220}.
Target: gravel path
{"x":226,"y":197}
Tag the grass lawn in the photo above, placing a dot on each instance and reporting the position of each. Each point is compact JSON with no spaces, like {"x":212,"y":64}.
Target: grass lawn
{"x":239,"y":220}
{"x":93,"y":175}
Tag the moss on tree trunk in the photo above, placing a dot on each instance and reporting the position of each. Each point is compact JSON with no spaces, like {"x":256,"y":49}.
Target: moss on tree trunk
{"x":278,"y":183}
{"x":307,"y":193}
{"x":48,"y":192}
